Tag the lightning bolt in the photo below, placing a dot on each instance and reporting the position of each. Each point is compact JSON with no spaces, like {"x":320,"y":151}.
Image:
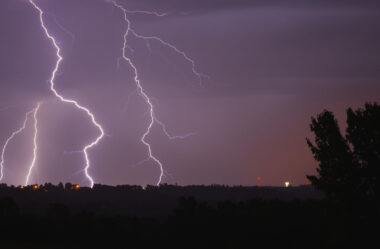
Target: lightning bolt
{"x":14,"y":134}
{"x":174,"y":48}
{"x":35,"y":148}
{"x":145,"y":12}
{"x":141,"y":91}
{"x":173,"y":137}
{"x":70,"y":101}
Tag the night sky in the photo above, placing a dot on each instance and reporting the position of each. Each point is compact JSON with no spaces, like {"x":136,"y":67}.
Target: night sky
{"x":271,"y":64}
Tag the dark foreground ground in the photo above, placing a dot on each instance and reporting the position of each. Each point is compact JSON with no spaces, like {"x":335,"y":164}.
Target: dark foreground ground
{"x":183,"y":217}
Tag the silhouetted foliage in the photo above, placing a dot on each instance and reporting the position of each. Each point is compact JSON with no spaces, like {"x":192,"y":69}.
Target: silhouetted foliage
{"x":349,"y":166}
{"x":68,"y":186}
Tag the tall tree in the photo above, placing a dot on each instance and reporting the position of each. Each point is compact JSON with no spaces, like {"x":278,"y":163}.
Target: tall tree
{"x":348,"y":165}
{"x":363,"y":132}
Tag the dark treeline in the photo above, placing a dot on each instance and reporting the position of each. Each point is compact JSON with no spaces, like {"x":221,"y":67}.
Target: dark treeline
{"x":196,"y":217}
{"x":152,"y":201}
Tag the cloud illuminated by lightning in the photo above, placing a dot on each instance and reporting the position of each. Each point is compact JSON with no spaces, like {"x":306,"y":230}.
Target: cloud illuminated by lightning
{"x":14,"y":134}
{"x":35,"y":145}
{"x":63,"y":99}
{"x":141,"y":91}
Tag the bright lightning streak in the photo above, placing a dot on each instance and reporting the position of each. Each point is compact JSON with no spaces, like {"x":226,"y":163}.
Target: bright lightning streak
{"x":14,"y":134}
{"x":160,"y":40}
{"x":141,"y":91}
{"x":34,"y":144}
{"x":75,"y":103}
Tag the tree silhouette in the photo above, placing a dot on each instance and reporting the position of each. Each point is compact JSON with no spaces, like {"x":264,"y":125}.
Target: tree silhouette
{"x":350,"y":165}
{"x":363,"y":132}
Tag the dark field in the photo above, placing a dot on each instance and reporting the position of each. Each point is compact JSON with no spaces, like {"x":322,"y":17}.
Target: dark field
{"x":182,"y":217}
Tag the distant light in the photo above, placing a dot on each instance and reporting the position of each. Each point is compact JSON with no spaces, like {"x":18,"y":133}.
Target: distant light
{"x":259,"y":178}
{"x":76,"y":186}
{"x":35,"y":186}
{"x":287,"y":184}
{"x":21,"y":187}
{"x":143,"y":187}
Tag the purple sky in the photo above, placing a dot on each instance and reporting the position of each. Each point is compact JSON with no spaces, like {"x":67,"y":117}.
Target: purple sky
{"x":272,"y":65}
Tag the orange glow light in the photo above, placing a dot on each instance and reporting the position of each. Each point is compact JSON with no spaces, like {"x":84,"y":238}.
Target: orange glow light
{"x":35,"y":186}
